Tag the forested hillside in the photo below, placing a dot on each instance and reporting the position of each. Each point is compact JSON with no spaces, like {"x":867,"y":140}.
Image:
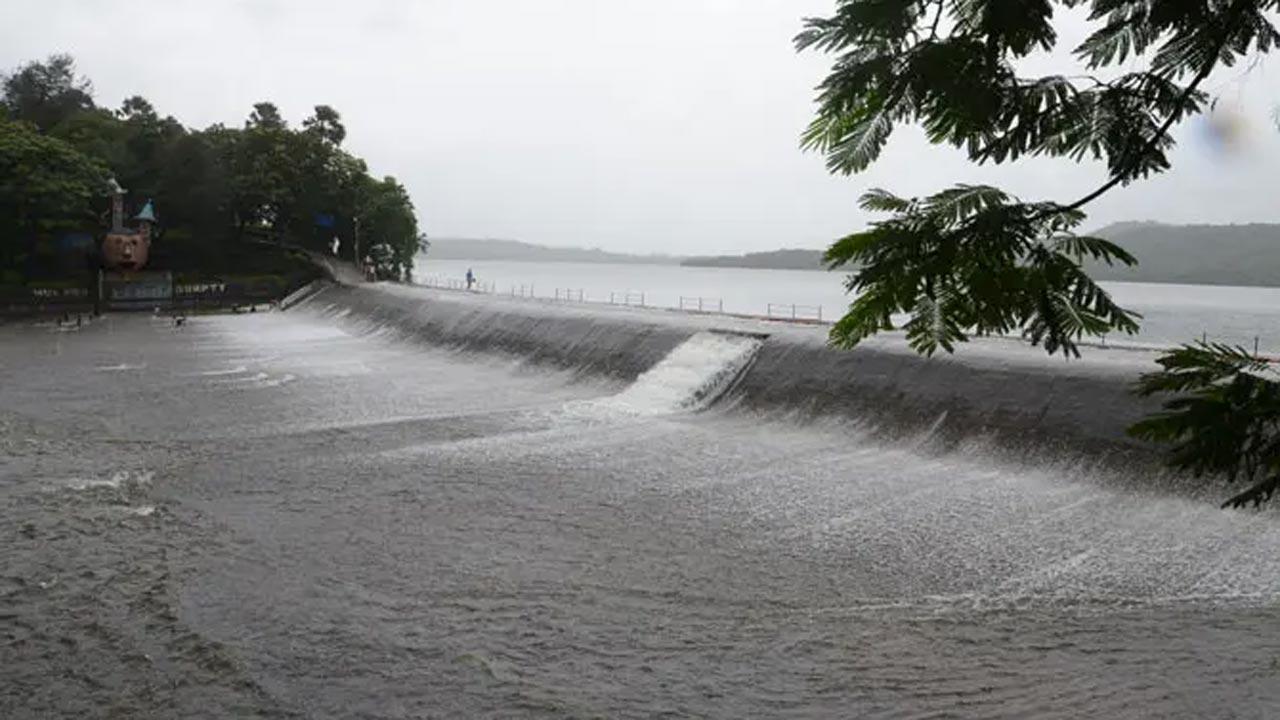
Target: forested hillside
{"x":789,"y":259}
{"x":219,"y":191}
{"x":1198,"y":254}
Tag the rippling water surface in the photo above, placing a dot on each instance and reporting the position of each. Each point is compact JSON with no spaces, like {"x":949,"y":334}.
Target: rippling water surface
{"x":270,"y":516}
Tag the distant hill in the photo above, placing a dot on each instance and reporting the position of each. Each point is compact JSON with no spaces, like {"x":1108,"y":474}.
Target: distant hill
{"x":1192,"y":254}
{"x":791,"y":259}
{"x":1196,"y":254}
{"x":495,"y":249}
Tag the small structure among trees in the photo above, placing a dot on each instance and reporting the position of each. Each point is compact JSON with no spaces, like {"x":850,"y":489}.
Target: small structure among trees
{"x":224,"y":190}
{"x":127,"y":248}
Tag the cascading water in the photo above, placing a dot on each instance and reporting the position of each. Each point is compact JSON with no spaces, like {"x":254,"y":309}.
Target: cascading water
{"x":694,"y":375}
{"x":409,"y":523}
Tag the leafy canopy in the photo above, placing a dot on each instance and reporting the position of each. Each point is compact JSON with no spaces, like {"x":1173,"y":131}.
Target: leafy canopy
{"x":261,"y":180}
{"x":974,"y":260}
{"x":45,"y":184}
{"x":1225,"y":419}
{"x":45,"y":93}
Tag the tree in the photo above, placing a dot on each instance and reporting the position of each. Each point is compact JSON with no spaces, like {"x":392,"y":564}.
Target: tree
{"x":148,"y":142}
{"x":211,"y":186}
{"x":46,"y":93}
{"x":264,"y":172}
{"x":97,"y":133}
{"x":387,"y":220}
{"x":326,"y":124}
{"x":1225,"y":420}
{"x":974,"y":260}
{"x":265,"y":116}
{"x":194,"y":185}
{"x":45,"y":186}
{"x":326,"y":189}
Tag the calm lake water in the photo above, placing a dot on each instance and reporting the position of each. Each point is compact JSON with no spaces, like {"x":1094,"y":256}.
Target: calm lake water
{"x":1172,"y":313}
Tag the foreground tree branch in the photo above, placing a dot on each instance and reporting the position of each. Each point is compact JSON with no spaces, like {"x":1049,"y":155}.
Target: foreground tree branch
{"x":974,"y":260}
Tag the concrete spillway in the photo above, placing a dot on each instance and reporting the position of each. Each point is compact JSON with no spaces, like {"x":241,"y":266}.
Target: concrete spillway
{"x":997,"y":389}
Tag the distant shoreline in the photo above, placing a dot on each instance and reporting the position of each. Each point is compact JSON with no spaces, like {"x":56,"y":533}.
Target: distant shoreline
{"x":1215,"y":255}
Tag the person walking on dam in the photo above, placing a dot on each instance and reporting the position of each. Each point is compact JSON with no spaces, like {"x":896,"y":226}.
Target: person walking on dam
{"x":471,"y":278}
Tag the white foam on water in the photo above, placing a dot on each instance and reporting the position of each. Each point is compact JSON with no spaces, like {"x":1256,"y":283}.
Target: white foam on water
{"x":273,"y":331}
{"x":237,"y":370}
{"x":253,"y":379}
{"x":121,"y":367}
{"x":692,"y":376}
{"x":118,"y":479}
{"x":258,"y":380}
{"x":275,"y":382}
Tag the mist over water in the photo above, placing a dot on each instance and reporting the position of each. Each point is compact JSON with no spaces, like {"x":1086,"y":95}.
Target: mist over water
{"x":323,"y":513}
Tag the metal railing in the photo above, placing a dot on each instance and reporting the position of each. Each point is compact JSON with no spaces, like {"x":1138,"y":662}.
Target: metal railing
{"x":702,"y":304}
{"x":570,"y":295}
{"x":446,"y":283}
{"x":627,"y":298}
{"x":795,"y":312}
{"x":1122,"y":341}
{"x":792,"y":311}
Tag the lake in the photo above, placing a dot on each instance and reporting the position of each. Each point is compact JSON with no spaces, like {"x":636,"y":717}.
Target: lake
{"x":1171,"y":313}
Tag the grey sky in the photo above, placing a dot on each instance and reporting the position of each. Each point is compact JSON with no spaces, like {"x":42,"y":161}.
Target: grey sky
{"x":654,"y":126}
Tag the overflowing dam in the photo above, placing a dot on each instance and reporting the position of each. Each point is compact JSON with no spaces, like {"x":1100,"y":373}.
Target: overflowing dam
{"x":397,"y":502}
{"x":1002,"y":389}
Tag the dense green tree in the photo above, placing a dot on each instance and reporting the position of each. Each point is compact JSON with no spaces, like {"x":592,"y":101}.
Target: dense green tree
{"x":1224,"y":420}
{"x":974,"y":260}
{"x":46,"y":185}
{"x":387,"y":222}
{"x":46,"y":93}
{"x":265,"y":116}
{"x":97,"y":133}
{"x":326,"y":123}
{"x":194,"y":185}
{"x":326,"y":187}
{"x":148,"y":140}
{"x":213,"y":187}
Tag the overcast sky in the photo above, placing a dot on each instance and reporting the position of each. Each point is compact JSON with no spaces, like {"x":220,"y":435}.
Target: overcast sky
{"x":647,"y":126}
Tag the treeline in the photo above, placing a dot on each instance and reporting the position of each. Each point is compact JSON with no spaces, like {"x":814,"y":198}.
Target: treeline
{"x":218,"y":190}
{"x":786,"y":259}
{"x":1247,"y":254}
